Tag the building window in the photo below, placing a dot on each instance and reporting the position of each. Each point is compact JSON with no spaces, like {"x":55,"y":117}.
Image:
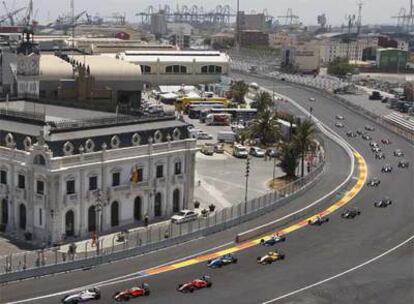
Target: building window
{"x":70,"y":187}
{"x":21,"y":181}
{"x":145,"y":69}
{"x":137,"y":175}
{"x":158,"y":205}
{"x":40,"y":187}
{"x":93,"y":183}
{"x":39,"y":160}
{"x":160,"y":171}
{"x":177,"y":168}
{"x":176,"y":69}
{"x":116,"y":179}
{"x":3,"y":177}
{"x":211,"y":69}
{"x":40,"y":217}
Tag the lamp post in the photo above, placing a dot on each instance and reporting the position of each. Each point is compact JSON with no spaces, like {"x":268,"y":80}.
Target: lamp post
{"x":247,"y":183}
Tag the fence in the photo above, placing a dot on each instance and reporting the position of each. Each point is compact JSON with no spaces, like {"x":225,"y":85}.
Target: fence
{"x":42,"y":262}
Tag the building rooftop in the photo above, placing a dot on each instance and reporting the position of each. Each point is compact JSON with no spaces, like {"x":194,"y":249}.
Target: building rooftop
{"x":53,"y":68}
{"x":174,"y":56}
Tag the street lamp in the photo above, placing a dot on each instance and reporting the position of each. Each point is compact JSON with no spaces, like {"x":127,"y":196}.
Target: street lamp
{"x":247,"y":183}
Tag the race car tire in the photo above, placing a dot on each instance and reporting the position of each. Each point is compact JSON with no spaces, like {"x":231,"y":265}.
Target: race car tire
{"x":209,"y":284}
{"x":191,"y":289}
{"x":235,"y":261}
{"x":262,"y":241}
{"x":98,"y":296}
{"x":327,"y":220}
{"x":282,"y":256}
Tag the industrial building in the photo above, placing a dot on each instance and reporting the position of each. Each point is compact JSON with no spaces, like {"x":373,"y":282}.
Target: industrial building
{"x":179,"y":67}
{"x":392,"y":59}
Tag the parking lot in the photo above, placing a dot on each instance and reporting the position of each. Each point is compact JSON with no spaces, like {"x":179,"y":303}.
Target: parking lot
{"x":220,"y":179}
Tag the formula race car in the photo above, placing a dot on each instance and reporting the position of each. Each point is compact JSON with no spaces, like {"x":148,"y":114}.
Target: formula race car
{"x":384,"y":203}
{"x":339,"y":125}
{"x":373,"y":182}
{"x":318,"y":220}
{"x":270,"y":257}
{"x":398,"y":153}
{"x":222,"y":261}
{"x":369,"y":128}
{"x":82,"y":296}
{"x":204,"y":281}
{"x":373,"y":144}
{"x":403,"y":164}
{"x":339,"y":117}
{"x":351,"y":134}
{"x":386,"y":169}
{"x":273,"y":240}
{"x":350,"y":213}
{"x":366,"y":137}
{"x":133,"y":292}
{"x":379,"y":155}
{"x":386,"y":141}
{"x":359,"y":132}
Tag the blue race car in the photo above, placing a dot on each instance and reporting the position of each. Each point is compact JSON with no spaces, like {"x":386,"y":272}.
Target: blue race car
{"x":273,"y":240}
{"x":222,"y":261}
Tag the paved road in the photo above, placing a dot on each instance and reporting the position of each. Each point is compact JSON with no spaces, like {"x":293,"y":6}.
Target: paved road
{"x":312,"y":253}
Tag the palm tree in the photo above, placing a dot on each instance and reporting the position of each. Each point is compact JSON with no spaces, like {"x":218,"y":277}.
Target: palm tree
{"x":288,"y":159}
{"x":266,"y":127}
{"x":239,"y":89}
{"x":305,"y":131}
{"x":262,"y":101}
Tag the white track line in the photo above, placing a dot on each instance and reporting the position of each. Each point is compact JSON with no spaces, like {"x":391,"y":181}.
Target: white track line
{"x":340,"y":274}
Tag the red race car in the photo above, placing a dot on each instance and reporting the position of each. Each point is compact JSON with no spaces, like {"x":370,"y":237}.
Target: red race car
{"x":204,"y":281}
{"x":133,"y":292}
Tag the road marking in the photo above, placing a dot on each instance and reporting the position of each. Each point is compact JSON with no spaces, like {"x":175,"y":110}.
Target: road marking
{"x":342,"y":273}
{"x":207,"y":255}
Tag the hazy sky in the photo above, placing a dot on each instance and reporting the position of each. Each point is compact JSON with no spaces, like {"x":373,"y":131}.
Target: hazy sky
{"x":374,"y":11}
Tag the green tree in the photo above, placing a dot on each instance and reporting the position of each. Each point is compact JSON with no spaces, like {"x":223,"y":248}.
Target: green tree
{"x":340,"y":67}
{"x":239,"y":89}
{"x":266,"y":127}
{"x":262,"y":102}
{"x":289,"y":159}
{"x":305,"y":132}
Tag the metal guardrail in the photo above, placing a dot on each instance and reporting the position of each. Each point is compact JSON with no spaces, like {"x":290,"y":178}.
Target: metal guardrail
{"x":42,"y":262}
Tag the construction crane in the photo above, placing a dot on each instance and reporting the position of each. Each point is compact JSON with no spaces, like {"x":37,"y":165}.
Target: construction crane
{"x":10,"y":14}
{"x":291,"y":19}
{"x":359,"y":20}
{"x":406,"y":20}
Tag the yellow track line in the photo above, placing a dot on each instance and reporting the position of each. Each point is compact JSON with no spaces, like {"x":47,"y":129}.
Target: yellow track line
{"x":348,"y":196}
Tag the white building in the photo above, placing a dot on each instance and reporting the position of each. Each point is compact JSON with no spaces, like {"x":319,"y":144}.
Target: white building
{"x":65,"y":172}
{"x":179,"y":67}
{"x":338,"y":47}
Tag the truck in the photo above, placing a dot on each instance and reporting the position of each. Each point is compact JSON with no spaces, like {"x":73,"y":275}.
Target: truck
{"x":227,"y":137}
{"x":218,"y":119}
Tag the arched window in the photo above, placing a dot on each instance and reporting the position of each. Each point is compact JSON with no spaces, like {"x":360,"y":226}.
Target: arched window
{"x":176,"y":200}
{"x":70,"y":223}
{"x":39,"y":160}
{"x":176,"y":69}
{"x":157,"y":205}
{"x":22,"y":217}
{"x":115,"y":214}
{"x":92,"y":219}
{"x":145,"y":69}
{"x":138,"y":208}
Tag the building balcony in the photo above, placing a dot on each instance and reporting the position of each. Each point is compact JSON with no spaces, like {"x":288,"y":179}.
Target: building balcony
{"x":20,"y":194}
{"x":71,"y":198}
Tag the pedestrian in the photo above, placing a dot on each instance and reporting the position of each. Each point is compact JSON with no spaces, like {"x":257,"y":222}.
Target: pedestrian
{"x":146,"y":220}
{"x":199,"y":183}
{"x":63,"y":256}
{"x":93,"y":238}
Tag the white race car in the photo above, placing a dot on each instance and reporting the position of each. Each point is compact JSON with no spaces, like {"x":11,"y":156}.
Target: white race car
{"x":82,"y":296}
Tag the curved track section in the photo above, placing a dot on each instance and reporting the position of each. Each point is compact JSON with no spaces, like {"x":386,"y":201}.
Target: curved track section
{"x":313,"y":254}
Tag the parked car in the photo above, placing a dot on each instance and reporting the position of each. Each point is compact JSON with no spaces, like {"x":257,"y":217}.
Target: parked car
{"x":204,"y":136}
{"x":219,"y":148}
{"x":240,"y":151}
{"x":375,"y":95}
{"x":272,"y":152}
{"x":207,"y":149}
{"x":257,"y":152}
{"x":184,"y":216}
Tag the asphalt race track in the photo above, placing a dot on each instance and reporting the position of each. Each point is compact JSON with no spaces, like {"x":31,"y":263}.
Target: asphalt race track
{"x":313,"y":254}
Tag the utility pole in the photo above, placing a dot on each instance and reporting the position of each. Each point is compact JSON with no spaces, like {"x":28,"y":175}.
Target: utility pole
{"x":238,"y":27}
{"x":247,"y":183}
{"x":72,"y":13}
